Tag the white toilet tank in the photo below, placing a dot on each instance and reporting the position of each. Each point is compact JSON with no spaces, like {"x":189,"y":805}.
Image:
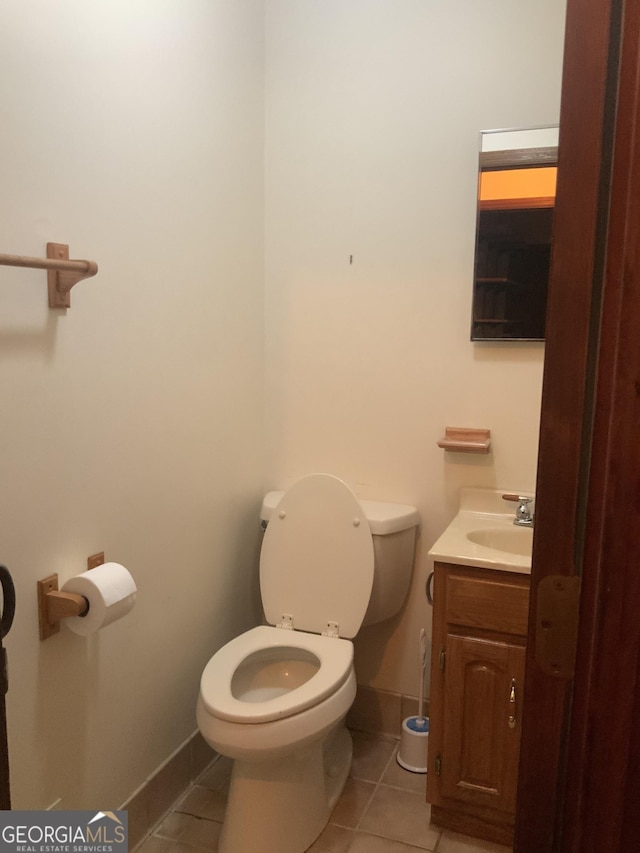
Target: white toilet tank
{"x":393,"y":529}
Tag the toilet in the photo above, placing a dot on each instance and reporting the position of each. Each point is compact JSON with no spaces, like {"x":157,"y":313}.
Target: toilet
{"x":275,"y":698}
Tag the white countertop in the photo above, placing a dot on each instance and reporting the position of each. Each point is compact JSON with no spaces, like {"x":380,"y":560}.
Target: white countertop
{"x":500,"y":544}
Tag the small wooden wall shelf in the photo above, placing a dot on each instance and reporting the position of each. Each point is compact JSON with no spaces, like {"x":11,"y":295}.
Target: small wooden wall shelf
{"x":466,"y":440}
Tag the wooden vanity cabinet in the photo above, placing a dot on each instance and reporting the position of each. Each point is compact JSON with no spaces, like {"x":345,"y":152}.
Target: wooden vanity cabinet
{"x":477,"y":678}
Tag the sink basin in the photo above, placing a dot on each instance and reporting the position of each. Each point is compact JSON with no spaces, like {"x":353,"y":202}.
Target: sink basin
{"x":483,"y":535}
{"x":513,"y":540}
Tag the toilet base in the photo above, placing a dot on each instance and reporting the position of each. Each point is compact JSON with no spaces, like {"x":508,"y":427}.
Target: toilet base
{"x":285,"y":804}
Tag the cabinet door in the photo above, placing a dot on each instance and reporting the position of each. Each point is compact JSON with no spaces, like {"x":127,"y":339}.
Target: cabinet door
{"x":483,"y":684}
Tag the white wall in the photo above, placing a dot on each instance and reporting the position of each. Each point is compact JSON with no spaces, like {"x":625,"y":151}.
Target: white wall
{"x":373,"y":118}
{"x":132,"y":423}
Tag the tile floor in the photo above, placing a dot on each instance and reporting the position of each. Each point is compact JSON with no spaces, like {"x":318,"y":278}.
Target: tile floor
{"x":382,"y":810}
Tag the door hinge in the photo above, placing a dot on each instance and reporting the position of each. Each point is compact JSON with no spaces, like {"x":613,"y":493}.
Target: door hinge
{"x":443,"y":659}
{"x":558,"y":603}
{"x":437,"y":764}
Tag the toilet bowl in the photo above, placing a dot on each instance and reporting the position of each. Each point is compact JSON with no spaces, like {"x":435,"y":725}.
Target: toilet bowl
{"x":263,"y":694}
{"x":275,"y":698}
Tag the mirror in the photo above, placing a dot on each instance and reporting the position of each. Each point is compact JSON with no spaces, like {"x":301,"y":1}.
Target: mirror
{"x":516,"y":196}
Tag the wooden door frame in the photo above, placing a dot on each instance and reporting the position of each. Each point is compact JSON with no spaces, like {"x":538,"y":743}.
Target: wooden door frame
{"x":603,"y":781}
{"x":579,"y":785}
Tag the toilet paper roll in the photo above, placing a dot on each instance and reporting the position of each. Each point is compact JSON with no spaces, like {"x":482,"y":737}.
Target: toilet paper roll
{"x":111,"y":593}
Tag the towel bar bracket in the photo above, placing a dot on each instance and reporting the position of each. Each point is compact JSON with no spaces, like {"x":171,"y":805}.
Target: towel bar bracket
{"x":60,"y":281}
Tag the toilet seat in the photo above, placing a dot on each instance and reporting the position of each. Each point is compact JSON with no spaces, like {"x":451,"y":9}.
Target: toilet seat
{"x":335,"y":657}
{"x":317,"y":559}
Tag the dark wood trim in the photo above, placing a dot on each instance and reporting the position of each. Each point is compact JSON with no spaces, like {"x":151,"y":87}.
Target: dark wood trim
{"x":603,"y":792}
{"x":566,"y":404}
{"x":493,"y":827}
{"x":518,"y":157}
{"x":516,"y":203}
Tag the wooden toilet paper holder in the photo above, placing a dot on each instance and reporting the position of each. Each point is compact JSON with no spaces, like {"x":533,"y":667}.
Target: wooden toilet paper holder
{"x":54,"y":605}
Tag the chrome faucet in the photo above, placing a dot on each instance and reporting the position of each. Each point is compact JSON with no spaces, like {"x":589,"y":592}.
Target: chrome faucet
{"x":524,"y":516}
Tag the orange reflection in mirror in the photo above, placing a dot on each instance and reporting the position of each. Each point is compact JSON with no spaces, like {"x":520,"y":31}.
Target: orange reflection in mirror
{"x":535,"y":187}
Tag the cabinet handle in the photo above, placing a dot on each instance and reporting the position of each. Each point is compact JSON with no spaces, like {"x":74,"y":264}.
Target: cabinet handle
{"x":428,"y":587}
{"x":512,"y":704}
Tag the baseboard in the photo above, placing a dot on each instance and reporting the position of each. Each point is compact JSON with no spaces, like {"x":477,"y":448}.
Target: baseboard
{"x":381,"y":711}
{"x":155,"y":797}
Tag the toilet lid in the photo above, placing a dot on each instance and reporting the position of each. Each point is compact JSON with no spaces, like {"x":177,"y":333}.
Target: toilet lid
{"x":316,"y":562}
